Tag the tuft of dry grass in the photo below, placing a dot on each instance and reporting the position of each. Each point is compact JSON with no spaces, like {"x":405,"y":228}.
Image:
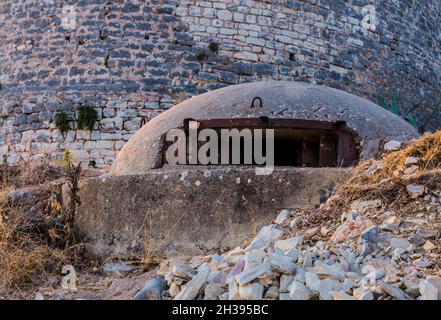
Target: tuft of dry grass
{"x":25,"y":258}
{"x":35,"y":172}
{"x":427,"y":148}
{"x":30,"y":173}
{"x":32,"y":251}
{"x":384,"y":179}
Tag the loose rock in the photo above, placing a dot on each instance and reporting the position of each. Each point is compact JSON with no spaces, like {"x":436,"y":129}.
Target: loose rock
{"x":192,"y":288}
{"x":252,"y":291}
{"x":152,"y":290}
{"x":392,"y":145}
{"x":298,"y":291}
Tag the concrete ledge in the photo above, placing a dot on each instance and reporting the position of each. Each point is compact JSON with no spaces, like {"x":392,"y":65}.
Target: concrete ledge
{"x":188,"y":211}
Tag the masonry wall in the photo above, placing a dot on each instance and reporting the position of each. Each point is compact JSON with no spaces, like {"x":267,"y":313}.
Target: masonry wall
{"x":134,"y":59}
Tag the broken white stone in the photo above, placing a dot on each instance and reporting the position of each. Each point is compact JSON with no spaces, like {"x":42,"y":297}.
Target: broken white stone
{"x":410,"y":171}
{"x":251,"y":291}
{"x":323,"y":270}
{"x":233,"y":290}
{"x":219,"y":277}
{"x":351,"y":215}
{"x":393,"y":291}
{"x":435,"y":282}
{"x":362,"y":206}
{"x":293,"y":224}
{"x":422,"y":263}
{"x":183,"y":271}
{"x":282,"y":264}
{"x":283,"y":216}
{"x":393,"y":220}
{"x":284,"y":296}
{"x":392,"y":145}
{"x":412,"y":287}
{"x":389,"y":227}
{"x":212,"y":291}
{"x":429,"y":246}
{"x":341,"y":295}
{"x":411,"y":160}
{"x":253,"y":273}
{"x":266,"y":235}
{"x":224,"y":296}
{"x":237,"y":269}
{"x":298,"y":291}
{"x":39,"y":296}
{"x":312,"y":280}
{"x":361,"y":294}
{"x":347,"y":285}
{"x":300,"y":274}
{"x":399,"y":243}
{"x":254,"y":258}
{"x":152,"y":290}
{"x":288,"y":244}
{"x":308,"y":259}
{"x":117,"y":267}
{"x":293,"y":254}
{"x":415,"y":190}
{"x":311,"y":232}
{"x":326,"y":286}
{"x":217,"y":259}
{"x":398,"y":252}
{"x":192,"y":288}
{"x":174,"y":289}
{"x":284,"y":282}
{"x":428,"y":291}
{"x":351,"y":229}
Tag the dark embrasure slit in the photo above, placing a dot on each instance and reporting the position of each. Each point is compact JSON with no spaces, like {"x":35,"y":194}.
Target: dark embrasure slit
{"x":297,"y":143}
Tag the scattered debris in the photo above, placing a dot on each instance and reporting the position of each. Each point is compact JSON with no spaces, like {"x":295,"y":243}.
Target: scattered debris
{"x":375,"y":239}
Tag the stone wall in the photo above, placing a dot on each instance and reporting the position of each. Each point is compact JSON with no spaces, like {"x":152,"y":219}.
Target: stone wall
{"x":133,"y":59}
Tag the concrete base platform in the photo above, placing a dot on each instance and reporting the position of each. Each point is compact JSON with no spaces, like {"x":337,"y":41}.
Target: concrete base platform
{"x":192,"y":210}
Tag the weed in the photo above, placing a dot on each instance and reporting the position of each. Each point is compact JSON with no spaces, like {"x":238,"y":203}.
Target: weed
{"x":36,"y":227}
{"x":87,"y":116}
{"x":214,"y":47}
{"x":201,"y":56}
{"x":62,"y":122}
{"x":406,"y":113}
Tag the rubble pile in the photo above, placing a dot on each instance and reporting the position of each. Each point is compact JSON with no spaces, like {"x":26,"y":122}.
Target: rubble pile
{"x":376,"y":238}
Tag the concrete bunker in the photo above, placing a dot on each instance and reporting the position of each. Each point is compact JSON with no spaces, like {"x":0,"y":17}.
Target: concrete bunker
{"x":145,"y":203}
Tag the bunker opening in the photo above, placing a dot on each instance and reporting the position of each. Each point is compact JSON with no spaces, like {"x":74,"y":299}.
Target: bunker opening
{"x":297,"y":143}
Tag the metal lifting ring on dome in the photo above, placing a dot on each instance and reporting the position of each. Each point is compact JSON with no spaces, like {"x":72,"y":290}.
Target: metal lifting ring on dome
{"x":254,"y":101}
{"x":143,"y":122}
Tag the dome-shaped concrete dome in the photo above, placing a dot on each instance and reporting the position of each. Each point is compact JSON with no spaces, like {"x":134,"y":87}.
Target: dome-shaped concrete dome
{"x":280,"y":100}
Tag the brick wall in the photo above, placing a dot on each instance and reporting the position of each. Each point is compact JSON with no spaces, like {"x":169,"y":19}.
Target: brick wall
{"x":133,"y":59}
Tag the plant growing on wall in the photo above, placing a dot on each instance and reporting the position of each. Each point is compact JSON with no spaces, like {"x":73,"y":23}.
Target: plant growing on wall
{"x":429,"y":119}
{"x":214,"y":47}
{"x":62,"y":122}
{"x":201,"y":56}
{"x":405,"y":113}
{"x":92,"y":164}
{"x":392,"y":106}
{"x":86,"y":117}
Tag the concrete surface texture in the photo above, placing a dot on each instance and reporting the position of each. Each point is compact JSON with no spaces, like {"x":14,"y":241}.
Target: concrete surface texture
{"x":179,"y":212}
